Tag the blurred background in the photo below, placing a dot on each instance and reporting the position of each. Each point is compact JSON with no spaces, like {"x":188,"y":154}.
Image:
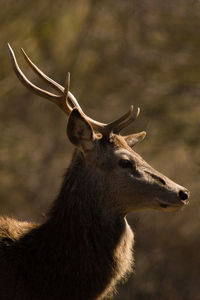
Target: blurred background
{"x":119,"y":52}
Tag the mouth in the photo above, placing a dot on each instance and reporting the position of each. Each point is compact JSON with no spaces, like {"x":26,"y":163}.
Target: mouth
{"x":167,"y":206}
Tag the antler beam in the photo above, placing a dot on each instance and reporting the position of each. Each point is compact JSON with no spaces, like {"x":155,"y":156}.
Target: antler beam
{"x":66,"y":100}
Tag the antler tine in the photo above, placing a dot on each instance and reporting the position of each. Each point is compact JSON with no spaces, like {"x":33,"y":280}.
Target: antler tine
{"x":24,"y":80}
{"x":65,"y":93}
{"x":66,"y":100}
{"x":57,"y":99}
{"x":116,"y":125}
{"x":71,"y":102}
{"x":111,"y":126}
{"x":69,"y":97}
{"x":132,"y":118}
{"x":67,"y":85}
{"x":43,"y":76}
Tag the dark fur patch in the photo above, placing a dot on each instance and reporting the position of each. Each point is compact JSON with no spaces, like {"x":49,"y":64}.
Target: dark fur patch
{"x":79,"y":253}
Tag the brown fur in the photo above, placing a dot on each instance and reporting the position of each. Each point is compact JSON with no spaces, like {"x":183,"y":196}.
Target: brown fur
{"x":80,"y":252}
{"x":85,"y":246}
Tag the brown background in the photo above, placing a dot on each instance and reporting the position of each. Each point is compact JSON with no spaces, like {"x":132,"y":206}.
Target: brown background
{"x":118,"y":52}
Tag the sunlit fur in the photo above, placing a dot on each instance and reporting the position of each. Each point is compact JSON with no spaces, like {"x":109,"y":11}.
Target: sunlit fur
{"x":85,"y":246}
{"x":80,"y":252}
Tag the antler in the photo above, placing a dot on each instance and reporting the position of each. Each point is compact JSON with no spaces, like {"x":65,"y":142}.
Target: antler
{"x":66,"y":100}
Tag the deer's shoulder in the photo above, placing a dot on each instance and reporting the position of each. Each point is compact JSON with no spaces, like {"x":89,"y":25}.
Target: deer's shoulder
{"x":11,"y":229}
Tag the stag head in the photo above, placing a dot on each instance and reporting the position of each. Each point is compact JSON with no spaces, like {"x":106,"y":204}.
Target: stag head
{"x":128,"y":181}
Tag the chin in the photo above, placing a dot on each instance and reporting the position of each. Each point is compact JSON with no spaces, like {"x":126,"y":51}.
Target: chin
{"x":170,"y":208}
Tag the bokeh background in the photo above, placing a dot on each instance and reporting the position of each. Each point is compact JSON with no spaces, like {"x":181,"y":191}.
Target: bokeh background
{"x":119,"y":52}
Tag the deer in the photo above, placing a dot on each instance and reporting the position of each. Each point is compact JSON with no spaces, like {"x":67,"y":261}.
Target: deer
{"x":84,"y":247}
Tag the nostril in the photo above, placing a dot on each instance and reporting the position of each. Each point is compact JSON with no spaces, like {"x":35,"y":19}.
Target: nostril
{"x":183,"y":195}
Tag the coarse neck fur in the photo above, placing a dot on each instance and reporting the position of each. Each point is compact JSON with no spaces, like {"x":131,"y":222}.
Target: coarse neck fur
{"x":82,"y":250}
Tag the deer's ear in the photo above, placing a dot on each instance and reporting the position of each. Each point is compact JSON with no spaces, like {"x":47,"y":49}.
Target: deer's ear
{"x":134,"y":138}
{"x":79,"y":131}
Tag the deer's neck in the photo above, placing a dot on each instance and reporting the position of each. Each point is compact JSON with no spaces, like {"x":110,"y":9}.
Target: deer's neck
{"x":83,"y":242}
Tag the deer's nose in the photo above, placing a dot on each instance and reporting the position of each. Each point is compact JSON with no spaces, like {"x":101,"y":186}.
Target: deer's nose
{"x":184,"y":195}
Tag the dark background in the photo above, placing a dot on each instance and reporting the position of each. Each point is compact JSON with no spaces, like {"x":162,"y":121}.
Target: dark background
{"x":119,"y":52}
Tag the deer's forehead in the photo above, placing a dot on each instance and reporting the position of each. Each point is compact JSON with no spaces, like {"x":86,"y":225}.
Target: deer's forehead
{"x":119,"y":142}
{"x":116,"y":148}
{"x":122,"y":150}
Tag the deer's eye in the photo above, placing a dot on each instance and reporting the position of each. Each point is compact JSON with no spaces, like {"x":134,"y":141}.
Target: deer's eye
{"x":125,"y":164}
